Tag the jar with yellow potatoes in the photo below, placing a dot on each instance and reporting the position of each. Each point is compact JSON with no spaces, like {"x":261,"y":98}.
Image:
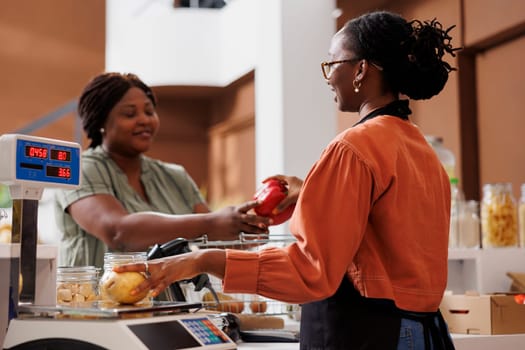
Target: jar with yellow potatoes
{"x":77,"y":285}
{"x":499,"y":216}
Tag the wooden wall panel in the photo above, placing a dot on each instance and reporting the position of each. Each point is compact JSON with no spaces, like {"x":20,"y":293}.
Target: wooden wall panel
{"x":182,"y":137}
{"x":500,"y":114}
{"x":49,"y":50}
{"x":232,"y":144}
{"x":485,"y":18}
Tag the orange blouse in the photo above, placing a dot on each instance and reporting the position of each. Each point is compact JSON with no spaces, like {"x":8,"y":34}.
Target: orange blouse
{"x":376,"y":207}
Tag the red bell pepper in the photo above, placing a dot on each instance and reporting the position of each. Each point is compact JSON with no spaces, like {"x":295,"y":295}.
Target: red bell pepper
{"x":519,"y":298}
{"x":270,"y":195}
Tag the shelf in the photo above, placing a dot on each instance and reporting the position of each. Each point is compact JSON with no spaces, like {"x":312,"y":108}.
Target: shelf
{"x":460,"y":254}
{"x":43,"y":251}
{"x":483,"y":270}
{"x":475,"y":253}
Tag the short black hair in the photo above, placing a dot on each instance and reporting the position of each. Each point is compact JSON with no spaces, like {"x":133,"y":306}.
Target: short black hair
{"x":100,"y":95}
{"x":410,"y":53}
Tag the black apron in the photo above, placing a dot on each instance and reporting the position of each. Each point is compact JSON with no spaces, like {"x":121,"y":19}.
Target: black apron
{"x":347,"y":320}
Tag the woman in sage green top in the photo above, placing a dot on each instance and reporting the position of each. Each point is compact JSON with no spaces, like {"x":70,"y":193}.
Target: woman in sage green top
{"x":128,"y":201}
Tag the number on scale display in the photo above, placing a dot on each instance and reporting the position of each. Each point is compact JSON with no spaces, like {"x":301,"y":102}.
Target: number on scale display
{"x":41,"y":153}
{"x":64,"y":156}
{"x":36,"y":152}
{"x":58,"y":171}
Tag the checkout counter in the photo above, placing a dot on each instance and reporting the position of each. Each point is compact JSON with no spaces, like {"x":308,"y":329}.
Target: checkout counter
{"x":461,"y":342}
{"x":34,"y":163}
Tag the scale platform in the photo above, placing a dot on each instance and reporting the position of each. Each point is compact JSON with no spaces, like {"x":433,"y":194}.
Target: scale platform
{"x":159,"y":326}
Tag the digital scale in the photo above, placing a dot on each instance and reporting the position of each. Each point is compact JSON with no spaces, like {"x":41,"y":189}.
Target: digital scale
{"x":162,"y":326}
{"x":30,"y":164}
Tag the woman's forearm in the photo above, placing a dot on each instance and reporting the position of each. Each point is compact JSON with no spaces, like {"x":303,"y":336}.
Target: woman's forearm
{"x":110,"y":222}
{"x":164,"y":271}
{"x":139,"y":231}
{"x":212,"y":261}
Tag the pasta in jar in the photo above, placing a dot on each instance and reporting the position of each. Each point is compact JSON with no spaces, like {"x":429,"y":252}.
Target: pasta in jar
{"x":499,"y":216}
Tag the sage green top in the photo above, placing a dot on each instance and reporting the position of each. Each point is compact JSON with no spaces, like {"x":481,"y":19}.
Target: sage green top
{"x":168,"y":187}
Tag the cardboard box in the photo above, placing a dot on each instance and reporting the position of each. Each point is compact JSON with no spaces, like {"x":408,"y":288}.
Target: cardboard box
{"x":483,"y":314}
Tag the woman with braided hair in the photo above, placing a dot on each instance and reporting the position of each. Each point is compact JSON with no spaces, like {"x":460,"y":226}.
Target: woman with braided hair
{"x":128,"y":201}
{"x":372,"y":216}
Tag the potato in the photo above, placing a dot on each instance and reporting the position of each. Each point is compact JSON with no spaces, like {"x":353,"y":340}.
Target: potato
{"x":118,"y":286}
{"x":76,"y":292}
{"x":227,"y":303}
{"x":64,"y":295}
{"x":258,"y":306}
{"x":231,"y":306}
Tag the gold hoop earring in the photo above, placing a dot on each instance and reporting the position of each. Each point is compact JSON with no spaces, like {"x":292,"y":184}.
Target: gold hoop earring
{"x":357,"y":84}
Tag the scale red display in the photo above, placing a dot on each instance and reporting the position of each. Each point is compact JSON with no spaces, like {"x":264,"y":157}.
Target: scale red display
{"x":42,"y":153}
{"x":36,"y":152}
{"x":58,"y":171}
{"x":64,"y":156}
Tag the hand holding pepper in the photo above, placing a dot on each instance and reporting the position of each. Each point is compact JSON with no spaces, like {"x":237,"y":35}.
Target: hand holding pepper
{"x":278,"y":196}
{"x":294,"y":185}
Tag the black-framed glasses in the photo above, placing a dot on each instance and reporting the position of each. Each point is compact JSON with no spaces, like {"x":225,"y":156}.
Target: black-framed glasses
{"x":328,"y":67}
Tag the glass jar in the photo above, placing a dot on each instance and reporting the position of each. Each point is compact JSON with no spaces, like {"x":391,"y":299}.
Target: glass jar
{"x":499,"y":216}
{"x":77,"y":285}
{"x":522,"y":216}
{"x":470,"y":226}
{"x":456,"y":212}
{"x":112,"y":259}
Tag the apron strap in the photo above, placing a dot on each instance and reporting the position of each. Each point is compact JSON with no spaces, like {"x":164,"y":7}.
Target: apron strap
{"x":434,"y":328}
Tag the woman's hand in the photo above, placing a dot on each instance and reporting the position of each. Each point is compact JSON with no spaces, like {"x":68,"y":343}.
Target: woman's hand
{"x":162,"y":272}
{"x":230,"y":221}
{"x":294,"y":185}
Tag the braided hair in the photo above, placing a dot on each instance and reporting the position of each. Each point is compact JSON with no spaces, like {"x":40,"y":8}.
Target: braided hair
{"x":410,"y":53}
{"x":99,"y":97}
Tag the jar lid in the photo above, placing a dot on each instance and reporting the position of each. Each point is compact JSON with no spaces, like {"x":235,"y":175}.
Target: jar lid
{"x":498,"y":186}
{"x":77,"y":273}
{"x":118,"y":258}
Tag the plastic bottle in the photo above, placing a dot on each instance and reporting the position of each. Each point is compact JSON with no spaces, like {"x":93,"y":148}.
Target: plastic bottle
{"x":456,"y":212}
{"x":470,"y":226}
{"x":445,"y":155}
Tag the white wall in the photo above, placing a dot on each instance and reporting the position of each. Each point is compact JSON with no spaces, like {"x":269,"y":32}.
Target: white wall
{"x":183,"y":46}
{"x":295,"y":111}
